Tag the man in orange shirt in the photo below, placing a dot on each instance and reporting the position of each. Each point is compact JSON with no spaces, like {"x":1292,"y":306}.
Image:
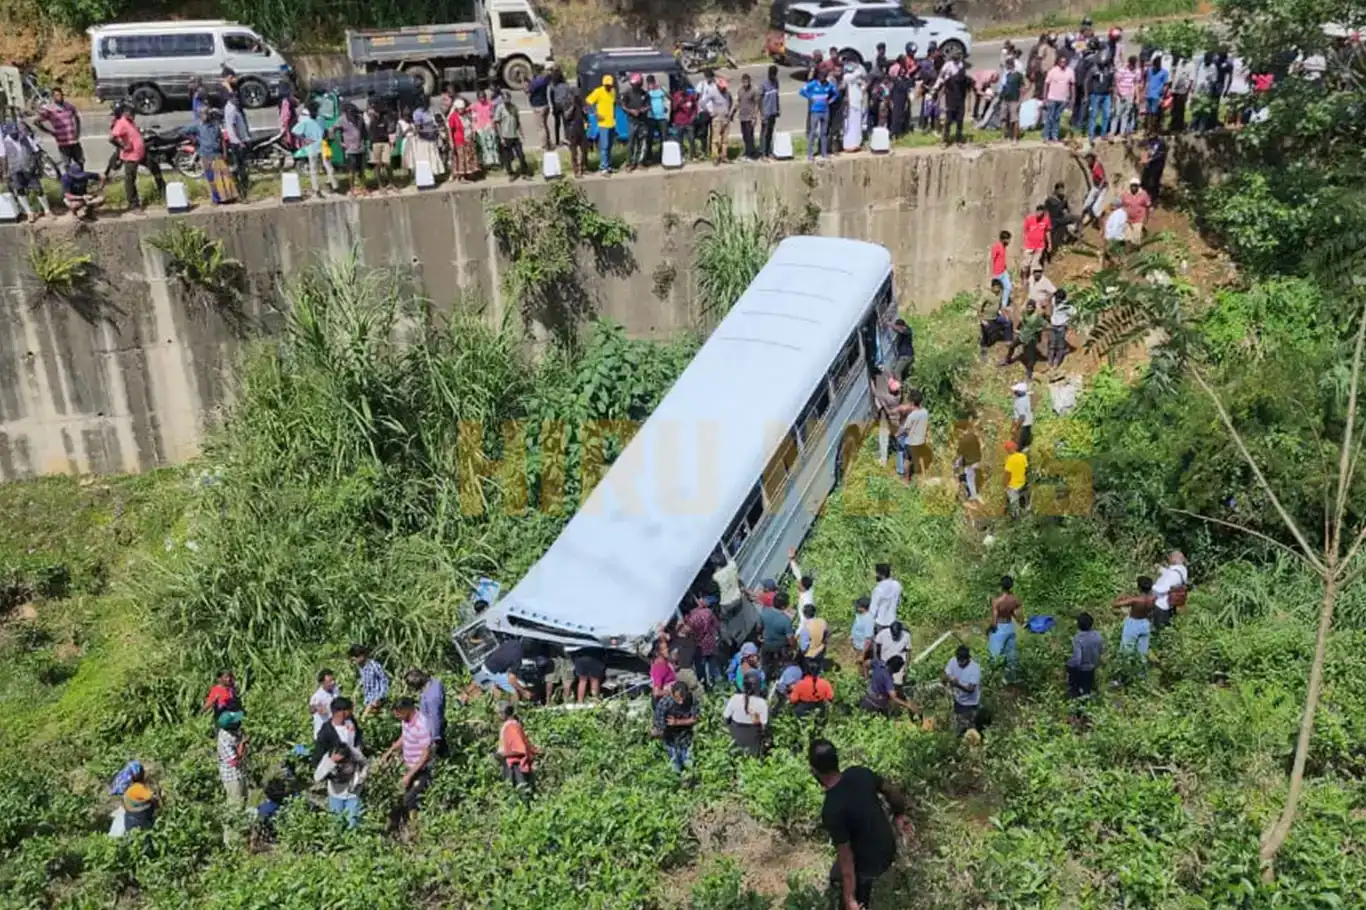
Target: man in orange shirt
{"x":812,"y":693}
{"x":1038,"y":229}
{"x":516,"y":751}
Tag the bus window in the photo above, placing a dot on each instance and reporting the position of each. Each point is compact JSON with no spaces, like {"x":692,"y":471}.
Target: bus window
{"x":813,"y":415}
{"x":779,"y":468}
{"x":744,"y":523}
{"x":845,"y":363}
{"x":871,"y":354}
{"x":885,"y":305}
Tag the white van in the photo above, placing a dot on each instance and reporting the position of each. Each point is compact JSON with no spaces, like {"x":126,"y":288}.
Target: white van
{"x":149,"y":63}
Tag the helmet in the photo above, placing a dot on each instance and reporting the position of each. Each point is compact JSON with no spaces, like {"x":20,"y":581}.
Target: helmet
{"x":1115,"y":33}
{"x":1086,"y":22}
{"x":635,"y":78}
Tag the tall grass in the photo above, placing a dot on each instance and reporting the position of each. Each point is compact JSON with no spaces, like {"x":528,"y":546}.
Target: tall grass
{"x":335,"y":510}
{"x":731,"y":249}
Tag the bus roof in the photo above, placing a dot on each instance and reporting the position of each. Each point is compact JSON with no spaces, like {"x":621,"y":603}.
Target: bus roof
{"x":624,"y":561}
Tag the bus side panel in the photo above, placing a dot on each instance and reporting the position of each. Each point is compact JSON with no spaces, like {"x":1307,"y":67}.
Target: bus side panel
{"x":764,"y":554}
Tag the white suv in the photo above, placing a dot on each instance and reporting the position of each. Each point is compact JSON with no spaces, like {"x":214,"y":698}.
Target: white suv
{"x":857,"y":27}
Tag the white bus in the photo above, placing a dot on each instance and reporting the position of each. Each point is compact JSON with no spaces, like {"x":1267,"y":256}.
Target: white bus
{"x":740,"y":455}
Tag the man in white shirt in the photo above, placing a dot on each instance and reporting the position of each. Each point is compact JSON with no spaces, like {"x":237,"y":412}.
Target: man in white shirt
{"x":963,"y":677}
{"x":915,"y":429}
{"x":1172,"y":576}
{"x":1023,"y":415}
{"x":886,"y":598}
{"x":320,"y":704}
{"x":1116,"y":228}
{"x":1058,"y":320}
{"x":806,"y":585}
{"x":1040,"y":289}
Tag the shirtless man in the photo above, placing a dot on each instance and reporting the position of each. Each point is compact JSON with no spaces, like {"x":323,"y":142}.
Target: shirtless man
{"x":1001,"y":636}
{"x":1138,"y":624}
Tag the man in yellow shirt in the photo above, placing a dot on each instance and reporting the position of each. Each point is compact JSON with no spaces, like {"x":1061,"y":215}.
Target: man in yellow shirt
{"x":1017,"y":466}
{"x":604,"y":102}
{"x":814,"y":635}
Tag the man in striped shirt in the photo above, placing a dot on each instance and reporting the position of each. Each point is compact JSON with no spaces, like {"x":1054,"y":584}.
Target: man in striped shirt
{"x":232,"y":751}
{"x":416,"y":746}
{"x":59,"y":118}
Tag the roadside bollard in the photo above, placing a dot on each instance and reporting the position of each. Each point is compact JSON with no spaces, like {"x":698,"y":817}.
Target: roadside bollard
{"x":672,"y":156}
{"x":423,"y":178}
{"x":551,"y":167}
{"x":881,"y":142}
{"x":9,"y":208}
{"x":177,"y":200}
{"x":290,"y":191}
{"x":782,"y":146}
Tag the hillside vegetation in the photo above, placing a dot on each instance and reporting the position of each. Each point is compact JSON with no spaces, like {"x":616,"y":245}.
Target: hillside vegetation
{"x":339,"y":503}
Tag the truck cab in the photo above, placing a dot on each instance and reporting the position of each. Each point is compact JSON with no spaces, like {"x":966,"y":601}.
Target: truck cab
{"x":520,"y":41}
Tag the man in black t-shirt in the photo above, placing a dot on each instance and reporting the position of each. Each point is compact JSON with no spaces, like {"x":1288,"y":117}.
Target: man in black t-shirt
{"x":857,"y":823}
{"x":499,"y":672}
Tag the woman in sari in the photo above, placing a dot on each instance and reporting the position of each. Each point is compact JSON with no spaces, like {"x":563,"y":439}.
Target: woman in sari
{"x":485,"y":139}
{"x":464,"y":165}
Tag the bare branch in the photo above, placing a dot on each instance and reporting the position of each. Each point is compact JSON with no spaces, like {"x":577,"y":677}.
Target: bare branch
{"x":1246,"y":530}
{"x":1348,"y":439}
{"x":1290,"y":524}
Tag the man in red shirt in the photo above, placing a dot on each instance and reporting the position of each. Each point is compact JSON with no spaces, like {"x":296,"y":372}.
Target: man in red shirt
{"x":1137,"y":206}
{"x":1038,"y":229}
{"x":132,"y":153}
{"x":1000,"y":271}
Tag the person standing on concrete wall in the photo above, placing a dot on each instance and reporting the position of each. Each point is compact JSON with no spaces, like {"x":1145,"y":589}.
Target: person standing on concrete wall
{"x":1058,"y":87}
{"x":770,"y":107}
{"x":538,"y":94}
{"x":817,"y":93}
{"x":636,"y":104}
{"x":747,"y":101}
{"x":1012,"y":85}
{"x":603,"y":100}
{"x":133,"y":153}
{"x":310,"y":149}
{"x":236,"y":133}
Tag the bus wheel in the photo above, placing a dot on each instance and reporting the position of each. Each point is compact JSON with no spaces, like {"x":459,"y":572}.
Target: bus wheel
{"x":848,"y":451}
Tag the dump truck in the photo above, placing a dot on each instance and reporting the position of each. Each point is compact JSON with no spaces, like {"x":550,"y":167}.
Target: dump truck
{"x":504,"y":41}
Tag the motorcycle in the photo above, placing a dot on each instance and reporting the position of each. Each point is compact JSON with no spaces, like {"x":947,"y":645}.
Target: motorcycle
{"x":707,"y":52}
{"x":266,"y":153}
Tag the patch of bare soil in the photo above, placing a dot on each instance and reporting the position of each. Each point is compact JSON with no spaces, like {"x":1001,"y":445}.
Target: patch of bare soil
{"x":766,"y":856}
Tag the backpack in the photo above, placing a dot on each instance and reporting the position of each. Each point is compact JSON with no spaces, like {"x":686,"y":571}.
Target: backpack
{"x":1176,"y":597}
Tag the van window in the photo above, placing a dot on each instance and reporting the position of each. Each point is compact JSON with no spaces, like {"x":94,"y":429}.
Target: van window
{"x":243,"y":43}
{"x":780,"y":468}
{"x":744,"y":523}
{"x":516,"y":20}
{"x":141,"y":47}
{"x":885,"y":304}
{"x":870,"y":18}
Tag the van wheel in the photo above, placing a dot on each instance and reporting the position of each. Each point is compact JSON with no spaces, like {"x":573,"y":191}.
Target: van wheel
{"x":424,"y":75}
{"x":253,"y":93}
{"x":146,"y":100}
{"x":517,"y":74}
{"x":849,"y":55}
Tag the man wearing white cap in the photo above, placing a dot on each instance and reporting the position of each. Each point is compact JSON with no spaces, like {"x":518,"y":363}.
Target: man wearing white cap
{"x":1137,"y":205}
{"x":1023,"y":427}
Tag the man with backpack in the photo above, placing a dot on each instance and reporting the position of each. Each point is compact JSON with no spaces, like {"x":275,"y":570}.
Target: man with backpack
{"x":1170,"y":589}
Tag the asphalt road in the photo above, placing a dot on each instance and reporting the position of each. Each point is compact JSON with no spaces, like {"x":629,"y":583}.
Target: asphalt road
{"x":793,"y":117}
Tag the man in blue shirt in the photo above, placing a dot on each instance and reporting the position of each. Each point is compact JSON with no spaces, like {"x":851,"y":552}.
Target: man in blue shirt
{"x":819,"y":95}
{"x":538,"y":93}
{"x":778,"y":635}
{"x":77,"y":193}
{"x":1154,"y":88}
{"x":659,"y":109}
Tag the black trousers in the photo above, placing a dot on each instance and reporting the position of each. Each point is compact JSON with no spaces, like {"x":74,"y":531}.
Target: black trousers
{"x":1080,"y":682}
{"x":766,"y":136}
{"x":130,"y":179}
{"x":510,"y":149}
{"x":747,"y":136}
{"x":953,"y":117}
{"x":237,"y":159}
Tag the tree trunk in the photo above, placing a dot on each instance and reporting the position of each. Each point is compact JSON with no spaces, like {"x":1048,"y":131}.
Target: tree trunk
{"x":1275,"y":835}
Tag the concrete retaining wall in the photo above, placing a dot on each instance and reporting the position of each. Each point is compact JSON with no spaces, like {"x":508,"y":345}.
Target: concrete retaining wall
{"x":131,"y":376}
